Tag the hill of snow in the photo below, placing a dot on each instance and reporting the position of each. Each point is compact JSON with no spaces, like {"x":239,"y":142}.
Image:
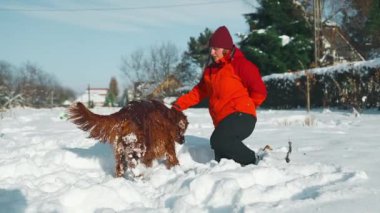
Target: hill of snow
{"x":48,"y":165}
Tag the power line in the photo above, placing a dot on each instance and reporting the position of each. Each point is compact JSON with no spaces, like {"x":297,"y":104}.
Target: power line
{"x":113,"y":8}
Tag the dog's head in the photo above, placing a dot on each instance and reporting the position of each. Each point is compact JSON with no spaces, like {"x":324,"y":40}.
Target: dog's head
{"x":181,"y":125}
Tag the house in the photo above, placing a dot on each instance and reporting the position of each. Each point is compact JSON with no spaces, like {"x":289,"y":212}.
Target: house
{"x":166,"y":88}
{"x":337,"y":47}
{"x":95,"y":96}
{"x":142,"y":89}
{"x":152,"y":89}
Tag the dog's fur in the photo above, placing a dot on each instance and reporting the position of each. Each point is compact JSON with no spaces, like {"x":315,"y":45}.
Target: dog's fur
{"x":142,"y":131}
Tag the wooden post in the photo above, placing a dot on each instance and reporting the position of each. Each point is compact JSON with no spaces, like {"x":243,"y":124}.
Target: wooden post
{"x":307,"y":73}
{"x":308,"y":76}
{"x":317,"y":32}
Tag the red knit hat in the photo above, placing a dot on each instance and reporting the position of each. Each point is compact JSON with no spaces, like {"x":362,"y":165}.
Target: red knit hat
{"x":221,"y":38}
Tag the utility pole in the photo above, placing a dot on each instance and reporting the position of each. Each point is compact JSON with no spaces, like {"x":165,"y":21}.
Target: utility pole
{"x":52,"y":98}
{"x":308,"y":76}
{"x":89,"y":96}
{"x":317,"y":32}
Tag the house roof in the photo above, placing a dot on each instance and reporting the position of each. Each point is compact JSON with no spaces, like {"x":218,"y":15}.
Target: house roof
{"x":341,"y":43}
{"x":97,"y":95}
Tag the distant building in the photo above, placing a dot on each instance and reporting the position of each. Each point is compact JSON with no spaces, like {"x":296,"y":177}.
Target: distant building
{"x":153,"y":89}
{"x":338,"y":47}
{"x":142,"y":89}
{"x":97,"y":96}
{"x":66,"y":103}
{"x":167,"y":87}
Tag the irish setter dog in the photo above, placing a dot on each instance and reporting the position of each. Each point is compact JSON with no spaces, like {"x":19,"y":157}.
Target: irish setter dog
{"x":142,"y":131}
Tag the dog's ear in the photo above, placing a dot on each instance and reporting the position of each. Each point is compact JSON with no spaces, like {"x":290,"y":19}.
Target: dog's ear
{"x":176,"y":107}
{"x":182,"y":124}
{"x":181,"y":118}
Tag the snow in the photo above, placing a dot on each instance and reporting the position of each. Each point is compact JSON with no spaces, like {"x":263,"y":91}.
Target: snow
{"x":343,"y":67}
{"x":285,"y":40}
{"x":97,"y":95}
{"x":261,"y":31}
{"x":48,"y":165}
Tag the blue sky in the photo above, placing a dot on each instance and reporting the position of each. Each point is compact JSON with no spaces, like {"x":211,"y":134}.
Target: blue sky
{"x":82,"y":43}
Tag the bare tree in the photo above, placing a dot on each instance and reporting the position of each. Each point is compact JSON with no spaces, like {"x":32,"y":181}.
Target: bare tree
{"x":30,"y":86}
{"x":159,"y":63}
{"x":5,"y":76}
{"x":151,"y":64}
{"x":38,"y":88}
{"x":7,"y":96}
{"x":162,"y":62}
{"x":168,"y":58}
{"x":133,"y":66}
{"x":332,"y":10}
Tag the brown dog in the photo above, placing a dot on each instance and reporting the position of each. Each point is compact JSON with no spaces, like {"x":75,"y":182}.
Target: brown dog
{"x":142,"y":131}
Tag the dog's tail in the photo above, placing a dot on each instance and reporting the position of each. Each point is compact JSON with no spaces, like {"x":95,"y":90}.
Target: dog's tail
{"x":100,"y":127}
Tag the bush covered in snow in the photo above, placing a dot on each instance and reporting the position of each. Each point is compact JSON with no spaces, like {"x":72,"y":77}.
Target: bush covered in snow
{"x":346,"y":85}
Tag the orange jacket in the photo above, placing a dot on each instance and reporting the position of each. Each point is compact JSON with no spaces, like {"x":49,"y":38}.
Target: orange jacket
{"x":232,"y":86}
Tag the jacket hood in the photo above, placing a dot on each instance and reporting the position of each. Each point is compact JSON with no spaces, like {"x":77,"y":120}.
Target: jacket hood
{"x":237,"y":53}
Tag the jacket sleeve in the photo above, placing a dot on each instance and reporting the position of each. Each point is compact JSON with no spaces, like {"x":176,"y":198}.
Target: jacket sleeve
{"x":196,"y":95}
{"x":251,"y":78}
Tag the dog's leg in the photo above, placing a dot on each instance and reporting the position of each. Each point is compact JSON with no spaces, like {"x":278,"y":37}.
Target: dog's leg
{"x":171,"y":158}
{"x":147,"y":160}
{"x":130,"y":156}
{"x":146,"y":155}
{"x":119,"y":158}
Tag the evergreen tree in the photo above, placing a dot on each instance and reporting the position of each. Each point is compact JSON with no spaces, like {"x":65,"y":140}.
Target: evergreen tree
{"x":198,"y":48}
{"x":264,"y":46}
{"x":373,"y":28}
{"x":113,"y":92}
{"x":114,"y":87}
{"x":187,"y":71}
{"x":194,"y":59}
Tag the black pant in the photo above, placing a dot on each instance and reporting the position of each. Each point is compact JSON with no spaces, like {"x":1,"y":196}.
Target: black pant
{"x":226,"y":140}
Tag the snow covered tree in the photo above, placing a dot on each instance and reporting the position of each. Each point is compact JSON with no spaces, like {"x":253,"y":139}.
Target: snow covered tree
{"x":280,"y":38}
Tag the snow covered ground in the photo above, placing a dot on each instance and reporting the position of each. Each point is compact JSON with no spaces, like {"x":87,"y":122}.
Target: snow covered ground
{"x":48,"y":165}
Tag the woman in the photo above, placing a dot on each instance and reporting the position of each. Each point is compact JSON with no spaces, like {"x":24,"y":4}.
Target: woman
{"x":235,"y":89}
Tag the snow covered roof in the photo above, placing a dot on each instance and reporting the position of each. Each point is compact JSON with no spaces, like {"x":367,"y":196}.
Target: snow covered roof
{"x":97,"y":95}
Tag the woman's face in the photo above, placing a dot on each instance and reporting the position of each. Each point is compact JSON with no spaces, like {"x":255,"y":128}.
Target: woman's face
{"x":216,"y":53}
